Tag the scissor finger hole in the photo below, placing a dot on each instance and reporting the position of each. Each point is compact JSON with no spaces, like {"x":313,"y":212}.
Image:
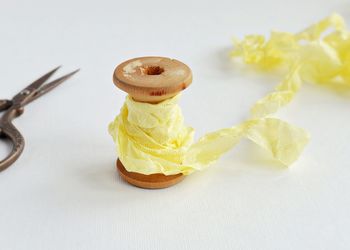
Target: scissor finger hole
{"x":5,"y":147}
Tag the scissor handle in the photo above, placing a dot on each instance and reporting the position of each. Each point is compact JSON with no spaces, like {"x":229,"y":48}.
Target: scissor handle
{"x":9,"y":131}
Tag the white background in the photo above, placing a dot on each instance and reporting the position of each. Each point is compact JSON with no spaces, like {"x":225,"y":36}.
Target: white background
{"x":64,"y":193}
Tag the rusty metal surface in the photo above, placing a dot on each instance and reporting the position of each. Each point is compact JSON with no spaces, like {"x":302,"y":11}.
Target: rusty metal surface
{"x":15,"y":107}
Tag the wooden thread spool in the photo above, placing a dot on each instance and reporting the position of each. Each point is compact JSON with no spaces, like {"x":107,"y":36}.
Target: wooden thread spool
{"x":151,"y":80}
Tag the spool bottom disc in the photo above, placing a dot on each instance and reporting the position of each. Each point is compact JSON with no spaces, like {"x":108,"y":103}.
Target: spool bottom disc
{"x":152,"y":181}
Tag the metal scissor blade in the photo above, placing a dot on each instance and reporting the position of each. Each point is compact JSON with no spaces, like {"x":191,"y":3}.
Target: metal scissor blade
{"x":49,"y":86}
{"x":37,"y":83}
{"x":30,"y":90}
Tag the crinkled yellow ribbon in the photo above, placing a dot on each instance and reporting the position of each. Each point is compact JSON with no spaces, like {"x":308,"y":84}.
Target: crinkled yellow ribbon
{"x":320,"y":54}
{"x":152,"y":138}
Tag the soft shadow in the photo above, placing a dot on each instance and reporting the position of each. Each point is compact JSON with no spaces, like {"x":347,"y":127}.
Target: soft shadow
{"x":102,"y":175}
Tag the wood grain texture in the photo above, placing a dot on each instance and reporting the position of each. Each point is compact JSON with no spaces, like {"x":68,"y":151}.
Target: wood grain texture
{"x":152,"y":79}
{"x":153,"y":181}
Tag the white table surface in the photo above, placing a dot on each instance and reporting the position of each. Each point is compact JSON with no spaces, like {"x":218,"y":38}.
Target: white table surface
{"x":64,"y":192}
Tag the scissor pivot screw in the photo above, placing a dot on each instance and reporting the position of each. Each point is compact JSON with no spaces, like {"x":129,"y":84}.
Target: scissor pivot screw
{"x":25,"y":92}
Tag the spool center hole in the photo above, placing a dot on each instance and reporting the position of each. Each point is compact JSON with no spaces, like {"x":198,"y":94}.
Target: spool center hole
{"x":153,"y":70}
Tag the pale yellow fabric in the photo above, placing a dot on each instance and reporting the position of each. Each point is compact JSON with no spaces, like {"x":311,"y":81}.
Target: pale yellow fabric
{"x":320,"y":54}
{"x":152,"y":138}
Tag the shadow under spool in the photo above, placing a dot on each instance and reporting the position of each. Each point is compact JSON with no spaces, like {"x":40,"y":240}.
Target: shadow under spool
{"x":151,"y":80}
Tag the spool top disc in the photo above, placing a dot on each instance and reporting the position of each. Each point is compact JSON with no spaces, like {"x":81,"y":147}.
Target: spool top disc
{"x":152,"y":79}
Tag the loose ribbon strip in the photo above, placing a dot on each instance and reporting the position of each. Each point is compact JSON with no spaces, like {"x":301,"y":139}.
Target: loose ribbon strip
{"x":320,"y":54}
{"x":152,"y":138}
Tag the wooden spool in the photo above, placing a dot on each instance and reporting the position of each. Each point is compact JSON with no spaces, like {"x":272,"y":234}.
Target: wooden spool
{"x":151,"y":80}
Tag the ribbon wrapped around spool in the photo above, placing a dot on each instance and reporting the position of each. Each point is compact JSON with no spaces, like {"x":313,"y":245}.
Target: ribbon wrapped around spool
{"x":156,"y":149}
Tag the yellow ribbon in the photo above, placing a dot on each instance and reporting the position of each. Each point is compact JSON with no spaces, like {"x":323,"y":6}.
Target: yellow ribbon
{"x":320,"y":54}
{"x":152,"y":138}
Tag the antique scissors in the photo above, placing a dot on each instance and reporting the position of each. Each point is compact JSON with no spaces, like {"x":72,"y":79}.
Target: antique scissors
{"x":15,"y":107}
